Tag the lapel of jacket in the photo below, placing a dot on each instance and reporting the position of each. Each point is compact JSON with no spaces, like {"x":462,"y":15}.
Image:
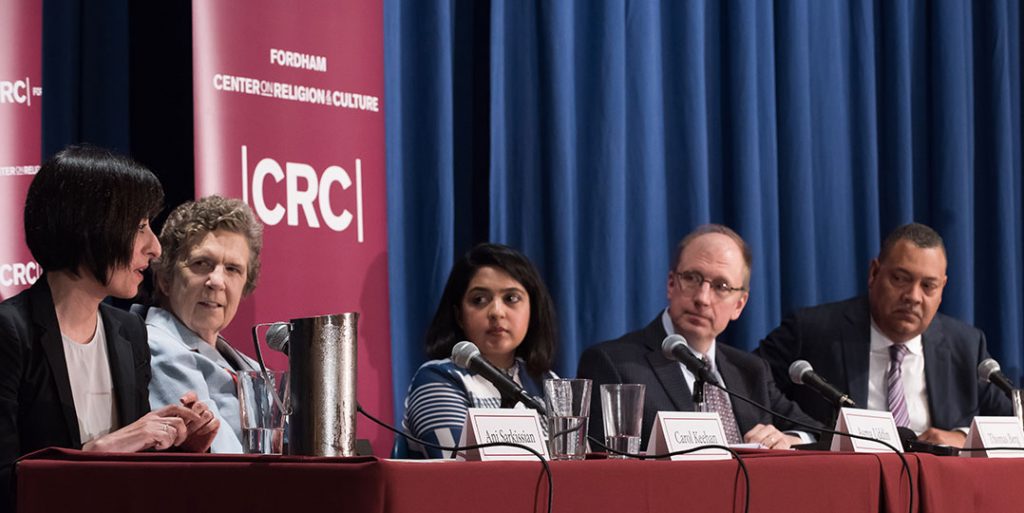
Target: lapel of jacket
{"x":122,"y":373}
{"x":667,"y":371}
{"x":234,"y":357}
{"x":856,"y":343}
{"x":164,"y":319}
{"x":937,"y":374}
{"x":44,"y":316}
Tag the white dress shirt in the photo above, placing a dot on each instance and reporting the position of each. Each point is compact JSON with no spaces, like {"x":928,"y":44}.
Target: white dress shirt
{"x":914,"y":386}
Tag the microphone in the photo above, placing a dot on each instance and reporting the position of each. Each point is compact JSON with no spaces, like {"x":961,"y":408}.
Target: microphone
{"x":674,"y":348}
{"x":990,"y":372}
{"x":467,"y":356}
{"x":801,"y":373}
{"x":278,"y":335}
{"x":911,"y":444}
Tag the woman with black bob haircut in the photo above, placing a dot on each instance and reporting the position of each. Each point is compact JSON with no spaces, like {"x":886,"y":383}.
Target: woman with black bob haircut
{"x":74,"y":372}
{"x":496,"y":299}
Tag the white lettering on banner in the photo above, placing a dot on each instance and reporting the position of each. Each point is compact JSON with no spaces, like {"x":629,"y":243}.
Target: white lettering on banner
{"x":18,"y":91}
{"x":298,"y":60}
{"x":296,"y":93}
{"x":305,"y":192}
{"x":19,"y":273}
{"x":18,"y":170}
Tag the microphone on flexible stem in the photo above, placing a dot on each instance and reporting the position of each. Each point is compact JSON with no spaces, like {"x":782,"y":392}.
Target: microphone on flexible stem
{"x":278,"y":335}
{"x":674,"y":348}
{"x":990,"y":372}
{"x":801,"y":373}
{"x":466,"y":355}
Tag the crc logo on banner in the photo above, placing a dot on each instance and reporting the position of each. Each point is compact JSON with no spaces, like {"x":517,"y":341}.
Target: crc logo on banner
{"x":19,"y":274}
{"x":300,"y":194}
{"x":18,"y":92}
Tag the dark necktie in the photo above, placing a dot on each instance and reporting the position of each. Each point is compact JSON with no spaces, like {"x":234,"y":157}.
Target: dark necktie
{"x":718,"y":402}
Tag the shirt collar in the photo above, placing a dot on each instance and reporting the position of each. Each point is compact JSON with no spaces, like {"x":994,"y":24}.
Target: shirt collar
{"x":880,"y":343}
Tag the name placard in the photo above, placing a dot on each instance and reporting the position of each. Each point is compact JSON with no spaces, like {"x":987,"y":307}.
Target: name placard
{"x":506,"y":425}
{"x":994,"y":432}
{"x":870,"y":423}
{"x":680,"y":430}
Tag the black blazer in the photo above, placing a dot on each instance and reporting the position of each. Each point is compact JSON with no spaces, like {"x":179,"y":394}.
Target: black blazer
{"x":37,"y":409}
{"x":836,"y":339}
{"x":636,"y":358}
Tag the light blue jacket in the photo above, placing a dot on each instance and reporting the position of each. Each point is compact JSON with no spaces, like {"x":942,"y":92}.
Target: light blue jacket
{"x":182,"y":361}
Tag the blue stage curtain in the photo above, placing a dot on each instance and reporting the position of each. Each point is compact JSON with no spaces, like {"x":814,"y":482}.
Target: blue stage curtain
{"x":594,"y":134}
{"x":118,"y":74}
{"x":85,"y":74}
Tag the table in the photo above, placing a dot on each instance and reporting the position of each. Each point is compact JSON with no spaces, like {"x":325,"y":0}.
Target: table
{"x":66,"y":480}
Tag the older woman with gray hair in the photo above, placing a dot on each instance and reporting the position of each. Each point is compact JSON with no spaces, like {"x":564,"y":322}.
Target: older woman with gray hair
{"x":211,"y":259}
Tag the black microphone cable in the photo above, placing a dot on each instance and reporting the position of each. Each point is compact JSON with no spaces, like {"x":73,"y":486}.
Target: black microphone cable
{"x":903,"y":459}
{"x":736,"y":455}
{"x":544,"y":463}
{"x":739,"y":460}
{"x":977,"y":449}
{"x":407,"y":436}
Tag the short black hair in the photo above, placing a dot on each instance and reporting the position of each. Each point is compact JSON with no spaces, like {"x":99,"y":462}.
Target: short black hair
{"x":538,"y":347}
{"x":917,"y":234}
{"x":83,"y":210}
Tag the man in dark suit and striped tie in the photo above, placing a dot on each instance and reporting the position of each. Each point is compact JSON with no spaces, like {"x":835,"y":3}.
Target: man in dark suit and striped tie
{"x":892,"y":350}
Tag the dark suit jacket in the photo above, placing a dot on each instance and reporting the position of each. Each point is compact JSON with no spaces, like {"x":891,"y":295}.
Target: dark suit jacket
{"x":836,"y":339}
{"x":637,"y":358}
{"x":37,"y":409}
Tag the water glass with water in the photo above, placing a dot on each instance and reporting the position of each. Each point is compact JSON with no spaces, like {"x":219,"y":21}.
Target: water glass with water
{"x":622,"y":406}
{"x":568,"y":405}
{"x":263,"y":411}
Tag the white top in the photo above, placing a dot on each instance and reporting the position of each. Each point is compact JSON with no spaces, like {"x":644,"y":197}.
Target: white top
{"x":91,"y":385}
{"x":914,"y":387}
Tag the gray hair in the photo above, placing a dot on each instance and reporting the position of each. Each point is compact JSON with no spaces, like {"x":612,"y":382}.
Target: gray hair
{"x":191,"y":221}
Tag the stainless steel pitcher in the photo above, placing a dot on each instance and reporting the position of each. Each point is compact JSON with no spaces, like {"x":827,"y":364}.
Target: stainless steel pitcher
{"x":322,"y":359}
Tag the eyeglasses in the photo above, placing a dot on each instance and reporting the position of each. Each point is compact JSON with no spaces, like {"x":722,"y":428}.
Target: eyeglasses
{"x":692,"y":281}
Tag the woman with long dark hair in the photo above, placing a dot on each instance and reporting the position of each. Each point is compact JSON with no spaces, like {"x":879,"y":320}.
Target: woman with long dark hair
{"x":496,"y":299}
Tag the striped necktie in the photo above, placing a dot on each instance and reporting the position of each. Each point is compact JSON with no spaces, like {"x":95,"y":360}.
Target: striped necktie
{"x":897,"y":399}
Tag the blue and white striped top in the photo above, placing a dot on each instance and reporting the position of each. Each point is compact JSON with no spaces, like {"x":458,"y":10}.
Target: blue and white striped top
{"x":440,"y":395}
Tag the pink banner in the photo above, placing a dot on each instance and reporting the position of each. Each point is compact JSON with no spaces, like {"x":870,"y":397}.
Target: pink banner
{"x":289,"y":116}
{"x":21,"y":107}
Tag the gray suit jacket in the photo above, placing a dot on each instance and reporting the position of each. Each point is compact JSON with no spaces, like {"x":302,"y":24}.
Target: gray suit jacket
{"x":836,"y":339}
{"x":182,"y":361}
{"x":636,"y":358}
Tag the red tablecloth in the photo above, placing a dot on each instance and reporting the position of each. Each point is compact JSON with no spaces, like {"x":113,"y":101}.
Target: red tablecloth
{"x":57,"y":480}
{"x":63,"y":480}
{"x":955,"y":485}
{"x":784,"y":482}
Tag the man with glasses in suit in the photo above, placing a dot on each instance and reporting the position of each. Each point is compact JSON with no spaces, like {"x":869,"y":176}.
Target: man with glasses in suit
{"x":707,"y":288}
